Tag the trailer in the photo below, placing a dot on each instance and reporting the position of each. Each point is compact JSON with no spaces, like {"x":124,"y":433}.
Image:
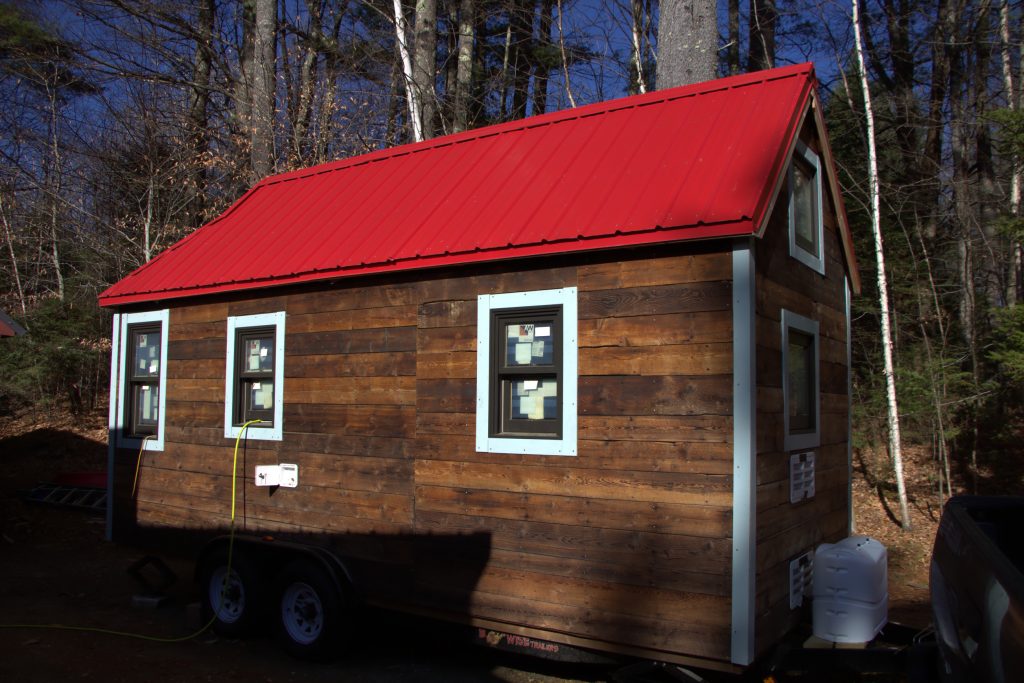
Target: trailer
{"x":579,"y":380}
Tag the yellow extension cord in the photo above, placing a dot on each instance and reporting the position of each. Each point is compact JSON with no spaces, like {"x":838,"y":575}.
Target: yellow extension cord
{"x":231,"y":545}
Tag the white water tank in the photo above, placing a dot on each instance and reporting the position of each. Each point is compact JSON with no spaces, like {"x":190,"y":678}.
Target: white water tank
{"x":851,"y":594}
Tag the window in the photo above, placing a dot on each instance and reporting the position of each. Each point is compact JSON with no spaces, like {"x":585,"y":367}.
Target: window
{"x":800,"y":382}
{"x":526,"y":372}
{"x":143,"y":356}
{"x":805,"y":211}
{"x":255,"y":376}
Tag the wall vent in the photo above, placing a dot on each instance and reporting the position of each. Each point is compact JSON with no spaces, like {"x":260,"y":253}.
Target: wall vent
{"x":801,"y":476}
{"x":801,"y":573}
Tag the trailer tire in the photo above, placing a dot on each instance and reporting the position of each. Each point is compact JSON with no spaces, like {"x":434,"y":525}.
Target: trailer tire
{"x":237,"y":606}
{"x":314,"y":612}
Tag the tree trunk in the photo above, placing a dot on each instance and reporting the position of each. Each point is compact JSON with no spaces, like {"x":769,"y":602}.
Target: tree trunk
{"x":264,"y":80}
{"x":411,"y":92}
{"x":243,"y":86}
{"x":687,"y":42}
{"x":14,"y":260}
{"x":1013,"y":290}
{"x":424,"y":64}
{"x":883,"y":286}
{"x":565,"y":60}
{"x":542,"y":71}
{"x":638,"y":82}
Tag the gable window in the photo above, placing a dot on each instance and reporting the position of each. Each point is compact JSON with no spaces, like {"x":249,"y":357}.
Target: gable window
{"x":255,"y":376}
{"x":805,"y":210}
{"x":800,"y":381}
{"x":526,"y":372}
{"x":143,"y":356}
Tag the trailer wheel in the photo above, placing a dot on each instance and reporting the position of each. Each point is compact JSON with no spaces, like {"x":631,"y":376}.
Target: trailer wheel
{"x":314,"y":616}
{"x":237,"y":598}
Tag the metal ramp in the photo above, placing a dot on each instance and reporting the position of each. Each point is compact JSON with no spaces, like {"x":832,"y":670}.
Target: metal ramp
{"x":82,"y":497}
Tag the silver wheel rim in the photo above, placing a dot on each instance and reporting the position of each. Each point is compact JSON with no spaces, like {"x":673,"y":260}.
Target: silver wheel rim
{"x":227,"y":597}
{"x":302,"y":613}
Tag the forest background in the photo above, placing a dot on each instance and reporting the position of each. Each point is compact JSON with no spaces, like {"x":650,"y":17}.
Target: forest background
{"x":127,"y":124}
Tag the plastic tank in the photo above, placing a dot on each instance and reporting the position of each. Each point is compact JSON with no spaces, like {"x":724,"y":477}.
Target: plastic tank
{"x":851,"y":596}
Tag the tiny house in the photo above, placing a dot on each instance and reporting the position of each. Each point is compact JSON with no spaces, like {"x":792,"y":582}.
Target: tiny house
{"x":580,"y":379}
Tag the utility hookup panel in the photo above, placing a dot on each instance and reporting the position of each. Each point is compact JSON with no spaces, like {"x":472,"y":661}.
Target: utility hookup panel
{"x":285,"y":474}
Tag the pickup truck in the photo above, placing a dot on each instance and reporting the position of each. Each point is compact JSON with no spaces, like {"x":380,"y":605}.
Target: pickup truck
{"x":977,"y":589}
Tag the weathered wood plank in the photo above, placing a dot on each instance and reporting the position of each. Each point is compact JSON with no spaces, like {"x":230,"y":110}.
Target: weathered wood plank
{"x":700,"y":327}
{"x":446,"y":364}
{"x":376,"y":340}
{"x":435,"y":339}
{"x":446,"y":314}
{"x":357,"y":319}
{"x":684,"y":298}
{"x":656,"y":487}
{"x":356,"y":420}
{"x":351,"y":390}
{"x":652,"y":456}
{"x":699,"y":428}
{"x":649,"y":272}
{"x":655,"y":395}
{"x":667,"y":518}
{"x":351,"y":365}
{"x":676,"y":359}
{"x":445,"y":395}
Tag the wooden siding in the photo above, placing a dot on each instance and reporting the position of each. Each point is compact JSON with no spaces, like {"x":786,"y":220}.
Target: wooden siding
{"x":627,"y":543}
{"x":786,"y":530}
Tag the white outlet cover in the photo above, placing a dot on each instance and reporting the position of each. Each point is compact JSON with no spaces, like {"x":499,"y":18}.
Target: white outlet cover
{"x":268,"y":475}
{"x":289,"y":475}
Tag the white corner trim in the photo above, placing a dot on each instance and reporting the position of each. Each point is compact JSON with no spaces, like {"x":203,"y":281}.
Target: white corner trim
{"x":744,"y":495}
{"x":564,"y":297}
{"x":847,"y":294}
{"x":793,"y":442}
{"x":815,"y":262}
{"x":241,"y":322}
{"x":115,"y":393}
{"x":128,"y":319}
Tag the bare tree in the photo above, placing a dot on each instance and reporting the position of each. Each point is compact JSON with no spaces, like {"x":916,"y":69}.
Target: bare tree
{"x":883,"y":286}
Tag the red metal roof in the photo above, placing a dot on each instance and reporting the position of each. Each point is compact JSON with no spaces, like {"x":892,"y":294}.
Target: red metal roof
{"x":694,"y":162}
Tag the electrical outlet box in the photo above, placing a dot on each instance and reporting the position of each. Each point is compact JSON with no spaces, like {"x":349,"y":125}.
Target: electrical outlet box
{"x":268,"y":475}
{"x":289,"y":475}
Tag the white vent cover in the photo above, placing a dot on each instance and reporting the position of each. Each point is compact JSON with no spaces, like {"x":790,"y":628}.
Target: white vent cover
{"x":801,"y":476}
{"x":801,"y":574}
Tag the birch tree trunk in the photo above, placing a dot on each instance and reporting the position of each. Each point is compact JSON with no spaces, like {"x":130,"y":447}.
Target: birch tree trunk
{"x":638,"y":56}
{"x":687,"y":42}
{"x":411,"y":96}
{"x":14,"y":260}
{"x":883,"y":286}
{"x":1013,"y":292}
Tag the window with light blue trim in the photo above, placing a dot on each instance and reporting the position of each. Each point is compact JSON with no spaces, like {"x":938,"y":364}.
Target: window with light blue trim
{"x":801,"y":382}
{"x":527,"y":372}
{"x":254,"y":376}
{"x":806,"y":225}
{"x":142,"y":399}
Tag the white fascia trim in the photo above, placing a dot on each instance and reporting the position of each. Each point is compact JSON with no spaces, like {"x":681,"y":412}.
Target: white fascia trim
{"x":794,"y":442}
{"x":255,"y":432}
{"x":127,"y":319}
{"x":744,"y":480}
{"x":564,"y":297}
{"x":115,"y":393}
{"x":815,"y":262}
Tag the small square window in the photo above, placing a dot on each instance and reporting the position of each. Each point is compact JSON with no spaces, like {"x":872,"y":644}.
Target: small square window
{"x":800,"y":381}
{"x":255,"y":376}
{"x":805,"y":210}
{"x":526,"y":372}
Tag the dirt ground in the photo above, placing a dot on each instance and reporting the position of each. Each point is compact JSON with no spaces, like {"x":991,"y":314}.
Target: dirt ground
{"x":56,"y":568}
